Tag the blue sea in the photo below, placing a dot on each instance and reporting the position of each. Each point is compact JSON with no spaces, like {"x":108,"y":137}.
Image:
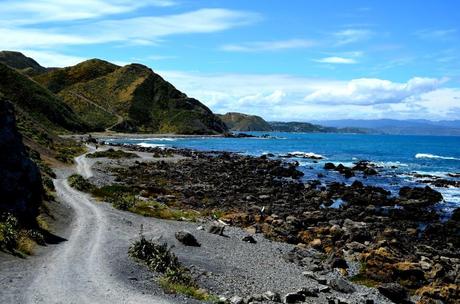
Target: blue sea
{"x":399,"y":158}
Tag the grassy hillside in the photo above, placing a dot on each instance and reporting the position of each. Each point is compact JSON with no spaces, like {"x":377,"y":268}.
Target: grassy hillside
{"x":244,"y":122}
{"x":58,"y":79}
{"x":135,"y":99}
{"x":21,"y":63}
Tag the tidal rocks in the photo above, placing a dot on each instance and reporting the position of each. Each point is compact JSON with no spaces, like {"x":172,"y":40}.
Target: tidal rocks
{"x":419,"y":196}
{"x":329,"y":166}
{"x":187,"y":239}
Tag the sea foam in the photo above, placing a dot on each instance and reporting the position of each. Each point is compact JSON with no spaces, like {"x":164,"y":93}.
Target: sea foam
{"x":432,"y":156}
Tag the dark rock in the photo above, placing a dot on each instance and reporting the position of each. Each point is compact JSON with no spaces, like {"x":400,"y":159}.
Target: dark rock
{"x":419,"y":196}
{"x":249,"y":239}
{"x":395,"y":293}
{"x":20,"y":181}
{"x":294,"y":297}
{"x":187,"y":238}
{"x":329,"y":166}
{"x":216,"y":228}
{"x":342,"y":285}
{"x":308,"y":292}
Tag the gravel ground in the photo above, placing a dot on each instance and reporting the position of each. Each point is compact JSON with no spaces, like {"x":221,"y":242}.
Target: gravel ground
{"x":93,"y":265}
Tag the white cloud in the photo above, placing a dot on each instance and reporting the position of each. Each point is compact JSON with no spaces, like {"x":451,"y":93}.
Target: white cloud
{"x":438,"y":34}
{"x":142,"y":30}
{"x":352,"y":35}
{"x":199,"y":21}
{"x":37,"y":11}
{"x":275,"y":45}
{"x":370,"y":91}
{"x":286,"y":97}
{"x":19,"y":38}
{"x":336,"y":60}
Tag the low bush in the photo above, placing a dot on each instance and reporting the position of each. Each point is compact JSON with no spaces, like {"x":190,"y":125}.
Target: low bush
{"x":8,"y":232}
{"x":123,"y":202}
{"x":175,"y":277}
{"x":113,"y":154}
{"x":80,"y":183}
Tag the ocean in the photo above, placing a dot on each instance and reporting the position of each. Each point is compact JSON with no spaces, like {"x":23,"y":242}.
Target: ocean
{"x":400,"y":159}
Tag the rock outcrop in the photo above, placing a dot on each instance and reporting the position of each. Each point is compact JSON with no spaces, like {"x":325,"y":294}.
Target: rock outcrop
{"x":20,"y":181}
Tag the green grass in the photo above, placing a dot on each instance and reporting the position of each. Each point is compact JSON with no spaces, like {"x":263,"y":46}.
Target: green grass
{"x":190,"y":291}
{"x":109,"y":191}
{"x":162,"y":211}
{"x":66,"y":151}
{"x":80,"y":183}
{"x":112,"y":154}
{"x":362,"y":279}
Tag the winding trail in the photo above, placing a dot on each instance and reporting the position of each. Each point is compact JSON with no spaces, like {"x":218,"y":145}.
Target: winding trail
{"x":78,"y":271}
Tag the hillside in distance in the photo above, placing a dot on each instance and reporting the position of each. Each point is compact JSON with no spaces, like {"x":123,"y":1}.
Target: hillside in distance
{"x":305,"y":127}
{"x":23,"y":64}
{"x":244,"y":122}
{"x":399,"y":127}
{"x":129,"y":99}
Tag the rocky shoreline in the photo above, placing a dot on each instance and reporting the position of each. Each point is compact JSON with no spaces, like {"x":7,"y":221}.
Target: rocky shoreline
{"x":398,"y":244}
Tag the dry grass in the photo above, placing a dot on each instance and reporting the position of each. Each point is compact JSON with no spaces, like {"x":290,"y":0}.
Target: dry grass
{"x":25,"y":244}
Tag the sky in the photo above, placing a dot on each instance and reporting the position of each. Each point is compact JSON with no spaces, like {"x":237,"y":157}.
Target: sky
{"x":284,"y":60}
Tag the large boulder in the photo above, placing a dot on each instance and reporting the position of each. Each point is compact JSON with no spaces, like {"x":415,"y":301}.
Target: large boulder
{"x":20,"y":182}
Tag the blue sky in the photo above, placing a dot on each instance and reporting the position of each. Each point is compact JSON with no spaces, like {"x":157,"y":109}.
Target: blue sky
{"x":284,"y":60}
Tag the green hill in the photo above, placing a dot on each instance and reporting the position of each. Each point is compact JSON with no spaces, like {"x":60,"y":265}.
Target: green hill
{"x":135,"y":99}
{"x":21,"y":63}
{"x":243,"y":122}
{"x":103,"y":96}
{"x":59,"y":79}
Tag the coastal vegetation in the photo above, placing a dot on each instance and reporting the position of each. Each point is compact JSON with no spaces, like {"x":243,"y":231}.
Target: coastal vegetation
{"x":112,"y":154}
{"x":175,"y":278}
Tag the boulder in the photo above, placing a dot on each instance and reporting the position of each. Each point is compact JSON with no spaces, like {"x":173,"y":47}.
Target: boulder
{"x":294,"y":297}
{"x":187,"y":238}
{"x":395,"y":293}
{"x":342,"y":285}
{"x":249,"y":239}
{"x":329,"y":166}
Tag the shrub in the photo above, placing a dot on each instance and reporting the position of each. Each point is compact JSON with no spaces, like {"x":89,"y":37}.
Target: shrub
{"x":8,"y":232}
{"x":80,"y":183}
{"x":123,"y":202}
{"x":111,"y":191}
{"x":113,"y":154}
{"x":175,"y":277}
